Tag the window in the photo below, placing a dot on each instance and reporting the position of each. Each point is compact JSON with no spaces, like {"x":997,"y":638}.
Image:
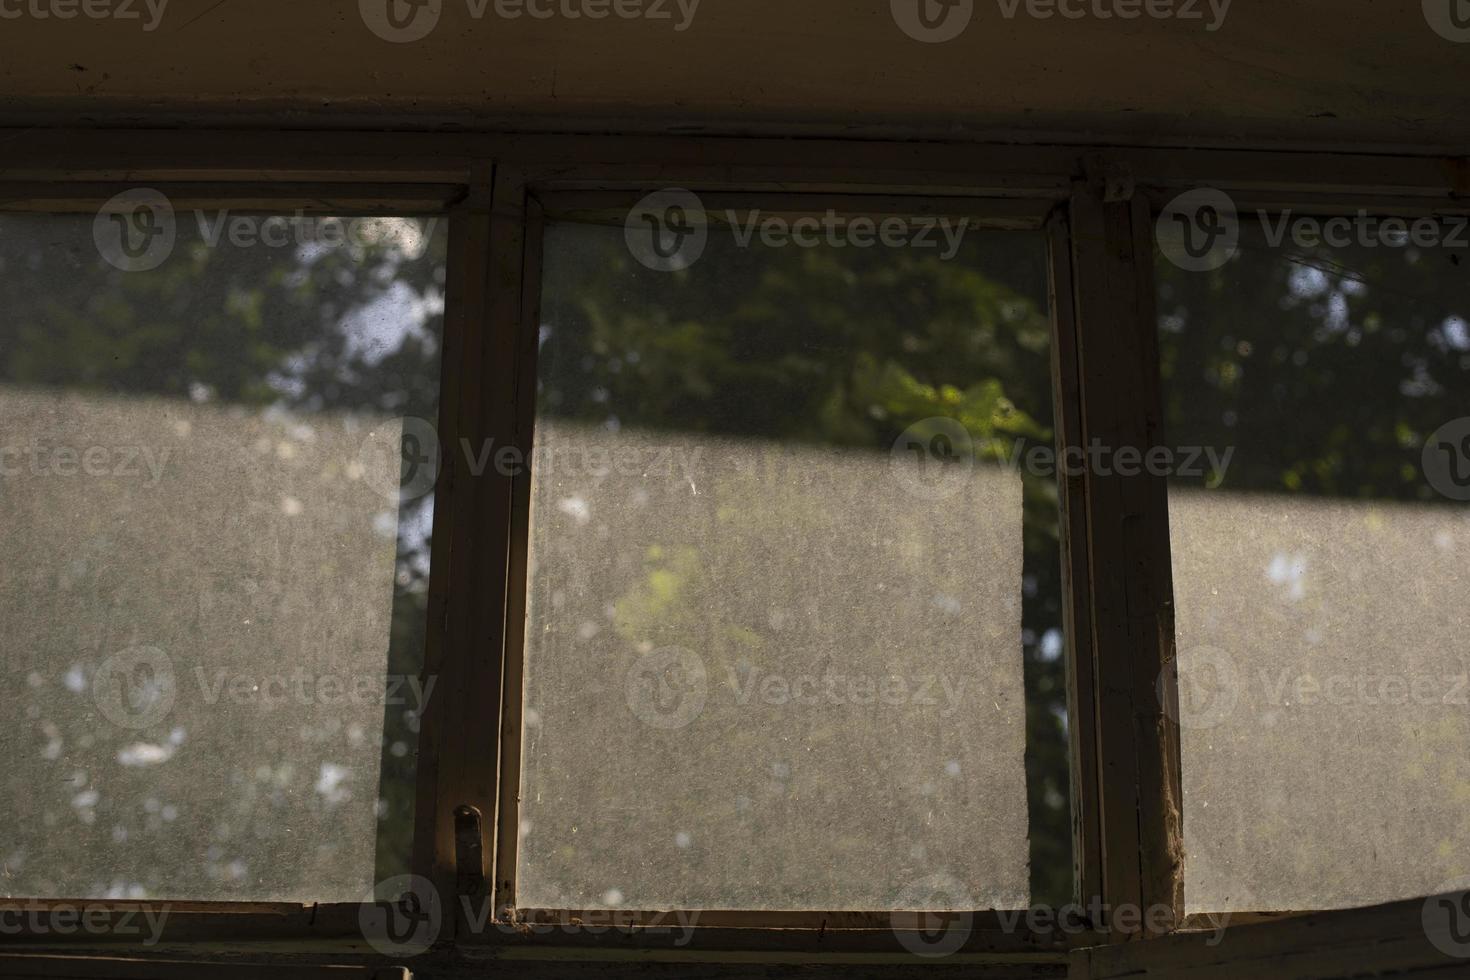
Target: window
{"x":1319,"y":569}
{"x":214,"y":586}
{"x":794,"y":620}
{"x":764,"y":585}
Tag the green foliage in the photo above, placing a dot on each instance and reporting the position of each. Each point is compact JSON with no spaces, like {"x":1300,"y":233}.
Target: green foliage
{"x":828,"y":347}
{"x":300,"y":329}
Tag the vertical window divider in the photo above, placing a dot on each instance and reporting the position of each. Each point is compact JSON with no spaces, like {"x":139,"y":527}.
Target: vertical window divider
{"x":458,"y":753}
{"x":1076,"y":612}
{"x":521,"y":362}
{"x":1128,"y":581}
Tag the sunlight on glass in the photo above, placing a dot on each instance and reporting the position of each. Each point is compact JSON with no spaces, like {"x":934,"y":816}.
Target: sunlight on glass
{"x":787,"y":639}
{"x":213,"y":594}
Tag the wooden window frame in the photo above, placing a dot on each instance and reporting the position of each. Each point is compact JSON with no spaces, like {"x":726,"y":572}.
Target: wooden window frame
{"x":1097,"y":208}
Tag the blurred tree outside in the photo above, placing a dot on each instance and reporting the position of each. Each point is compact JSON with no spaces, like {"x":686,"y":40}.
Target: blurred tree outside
{"x":817,"y":348}
{"x":280,"y":337}
{"x":1321,"y":570}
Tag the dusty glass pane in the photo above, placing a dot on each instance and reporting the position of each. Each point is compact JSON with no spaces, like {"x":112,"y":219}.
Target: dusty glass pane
{"x":793,"y":638}
{"x":1320,"y":584}
{"x":212,"y":601}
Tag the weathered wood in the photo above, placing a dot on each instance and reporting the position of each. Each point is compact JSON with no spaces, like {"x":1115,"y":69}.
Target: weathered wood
{"x":42,"y":967}
{"x":491,"y":733}
{"x":1155,"y":674}
{"x":453,"y":774}
{"x":125,"y":922}
{"x":280,"y":198}
{"x":984,"y":932}
{"x":1249,"y":201}
{"x":518,"y":418}
{"x":135,"y":155}
{"x":1382,"y":941}
{"x":1305,"y":172}
{"x":446,"y":965}
{"x":1128,"y":552}
{"x":1081,"y":654}
{"x":1000,"y":213}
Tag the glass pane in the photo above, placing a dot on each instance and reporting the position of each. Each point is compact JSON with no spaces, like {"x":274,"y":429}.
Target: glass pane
{"x":794,"y":629}
{"x":212,"y":600}
{"x":1319,"y":581}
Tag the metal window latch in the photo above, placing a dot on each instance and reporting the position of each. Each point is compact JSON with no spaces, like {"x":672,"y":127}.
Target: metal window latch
{"x":469,"y":851}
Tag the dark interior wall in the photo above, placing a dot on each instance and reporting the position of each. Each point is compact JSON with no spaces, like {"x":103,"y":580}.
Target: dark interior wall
{"x":1293,"y":71}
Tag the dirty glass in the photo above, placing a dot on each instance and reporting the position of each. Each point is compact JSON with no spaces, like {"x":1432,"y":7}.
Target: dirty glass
{"x":1319,"y":576}
{"x":212,"y":597}
{"x":794,"y":625}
